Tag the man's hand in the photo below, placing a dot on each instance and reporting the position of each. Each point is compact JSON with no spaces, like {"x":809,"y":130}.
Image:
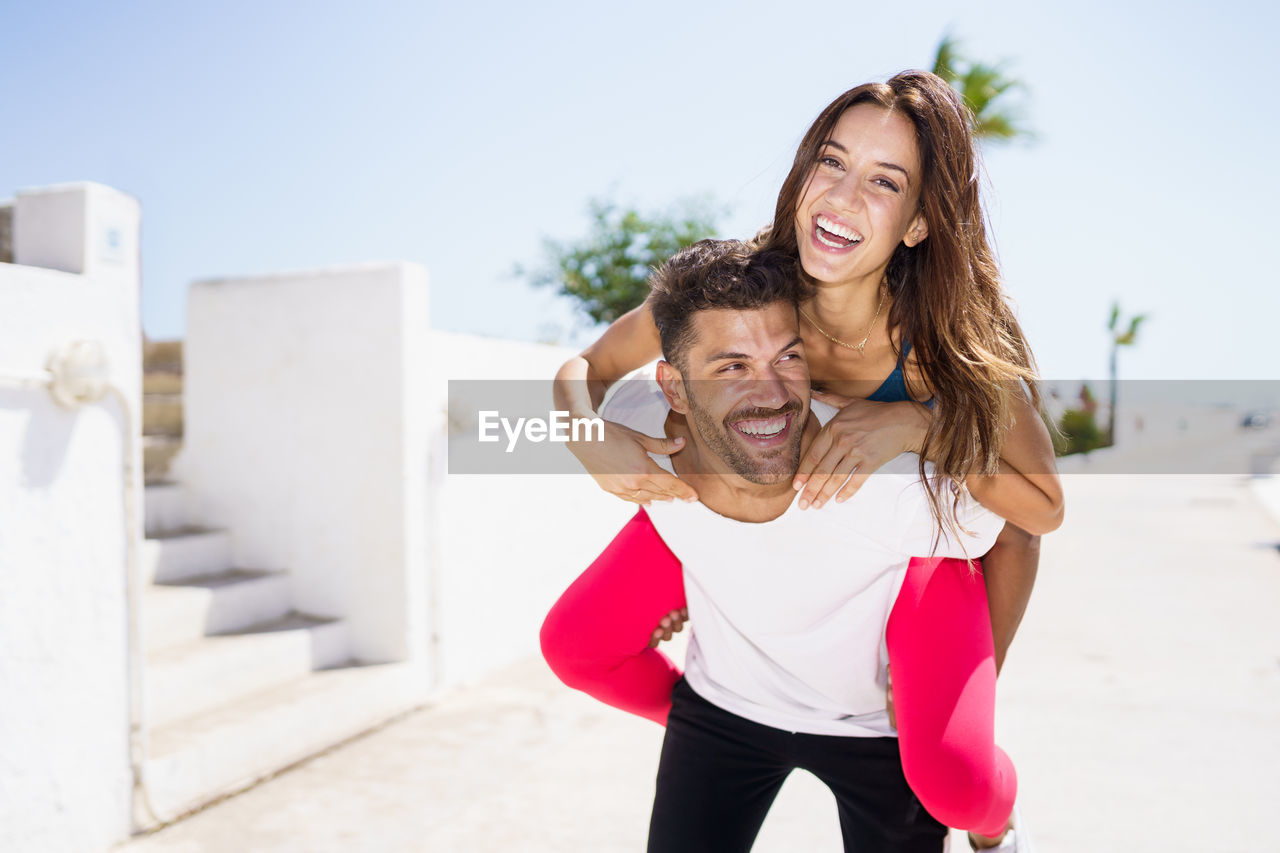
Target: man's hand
{"x":671,"y":624}
{"x":888,"y":698}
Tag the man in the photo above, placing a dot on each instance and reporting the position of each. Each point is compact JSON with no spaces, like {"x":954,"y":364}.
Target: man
{"x":786,"y":665}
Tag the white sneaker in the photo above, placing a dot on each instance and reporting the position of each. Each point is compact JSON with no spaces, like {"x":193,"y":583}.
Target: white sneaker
{"x":1017,"y":839}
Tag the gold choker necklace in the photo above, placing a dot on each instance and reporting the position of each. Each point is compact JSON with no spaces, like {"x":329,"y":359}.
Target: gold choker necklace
{"x":835,"y":340}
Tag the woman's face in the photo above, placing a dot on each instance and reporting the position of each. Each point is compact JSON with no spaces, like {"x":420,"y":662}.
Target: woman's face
{"x":863,"y":197}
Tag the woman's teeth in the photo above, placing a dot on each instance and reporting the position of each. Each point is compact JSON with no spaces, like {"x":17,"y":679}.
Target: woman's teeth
{"x":835,"y":235}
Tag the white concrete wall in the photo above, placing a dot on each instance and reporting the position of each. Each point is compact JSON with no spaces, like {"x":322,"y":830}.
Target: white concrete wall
{"x":83,"y":228}
{"x":505,"y":547}
{"x":312,"y":403}
{"x":306,"y":436}
{"x":65,"y":779}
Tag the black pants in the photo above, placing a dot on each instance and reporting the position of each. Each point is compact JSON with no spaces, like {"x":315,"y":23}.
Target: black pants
{"x":720,"y":773}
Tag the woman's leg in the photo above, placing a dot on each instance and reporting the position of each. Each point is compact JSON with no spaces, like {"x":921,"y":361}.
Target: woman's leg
{"x":596,"y":636}
{"x":942,"y":663}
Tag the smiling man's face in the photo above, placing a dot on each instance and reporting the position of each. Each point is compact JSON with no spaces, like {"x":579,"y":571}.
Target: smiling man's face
{"x":744,"y":386}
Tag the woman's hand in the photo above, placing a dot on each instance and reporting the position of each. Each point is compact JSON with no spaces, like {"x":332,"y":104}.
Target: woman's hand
{"x":861,"y":437}
{"x":621,"y":465}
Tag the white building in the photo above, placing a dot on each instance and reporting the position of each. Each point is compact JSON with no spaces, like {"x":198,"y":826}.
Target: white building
{"x":311,"y":571}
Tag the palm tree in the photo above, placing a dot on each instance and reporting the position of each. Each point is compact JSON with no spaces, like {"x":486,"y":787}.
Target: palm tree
{"x":986,"y":89}
{"x":1119,"y":339}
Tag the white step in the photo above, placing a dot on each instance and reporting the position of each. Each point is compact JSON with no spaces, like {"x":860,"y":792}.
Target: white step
{"x":211,"y":604}
{"x":166,"y":508}
{"x":186,"y":553}
{"x":196,"y":677}
{"x":202,"y":758}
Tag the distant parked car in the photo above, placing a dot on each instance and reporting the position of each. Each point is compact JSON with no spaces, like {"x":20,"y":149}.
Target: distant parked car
{"x":1256,"y":420}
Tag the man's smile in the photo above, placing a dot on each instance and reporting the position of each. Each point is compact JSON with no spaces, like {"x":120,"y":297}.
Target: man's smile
{"x":764,"y":432}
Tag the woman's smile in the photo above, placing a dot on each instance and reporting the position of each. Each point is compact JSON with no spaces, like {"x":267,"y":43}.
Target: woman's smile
{"x":834,"y":236}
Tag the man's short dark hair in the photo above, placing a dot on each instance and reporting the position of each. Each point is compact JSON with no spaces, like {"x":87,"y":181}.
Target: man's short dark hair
{"x":716,"y":274}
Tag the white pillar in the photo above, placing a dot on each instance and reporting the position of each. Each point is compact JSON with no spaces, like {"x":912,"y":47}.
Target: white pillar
{"x":65,"y":778}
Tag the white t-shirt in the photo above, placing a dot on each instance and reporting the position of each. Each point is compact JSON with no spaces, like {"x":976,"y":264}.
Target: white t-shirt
{"x":788,"y":616}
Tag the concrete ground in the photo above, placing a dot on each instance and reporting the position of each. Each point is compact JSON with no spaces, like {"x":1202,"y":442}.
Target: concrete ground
{"x":1140,"y":702}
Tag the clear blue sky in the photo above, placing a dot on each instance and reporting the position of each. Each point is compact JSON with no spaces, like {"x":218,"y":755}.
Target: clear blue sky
{"x":270,"y":136}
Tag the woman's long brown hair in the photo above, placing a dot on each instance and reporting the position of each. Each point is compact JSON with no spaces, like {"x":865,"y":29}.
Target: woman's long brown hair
{"x":947,"y":300}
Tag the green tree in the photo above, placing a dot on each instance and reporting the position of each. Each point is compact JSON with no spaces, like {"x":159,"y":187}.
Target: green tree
{"x":986,"y":89}
{"x":1078,"y":433}
{"x":607,"y":272}
{"x":1120,"y":337}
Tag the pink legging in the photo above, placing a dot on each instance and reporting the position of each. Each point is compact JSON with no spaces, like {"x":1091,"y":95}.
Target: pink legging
{"x":941,"y":657}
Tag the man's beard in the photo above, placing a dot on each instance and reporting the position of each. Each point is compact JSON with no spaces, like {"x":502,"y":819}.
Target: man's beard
{"x":764,"y":468}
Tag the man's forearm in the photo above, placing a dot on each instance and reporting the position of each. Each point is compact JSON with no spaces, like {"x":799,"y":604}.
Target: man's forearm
{"x":1009,"y":572}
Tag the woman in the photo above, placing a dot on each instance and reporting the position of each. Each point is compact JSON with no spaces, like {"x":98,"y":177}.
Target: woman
{"x":882,"y":208}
